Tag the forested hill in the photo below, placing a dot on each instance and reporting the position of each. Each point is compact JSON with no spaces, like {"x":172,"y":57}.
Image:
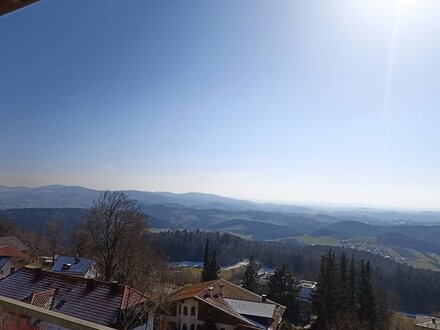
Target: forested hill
{"x":406,"y":289}
{"x":347,"y":229}
{"x":256,"y":225}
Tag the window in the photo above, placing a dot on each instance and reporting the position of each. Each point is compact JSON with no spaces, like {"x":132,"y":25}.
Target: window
{"x":180,"y":309}
{"x":60,"y":304}
{"x":185,"y":310}
{"x":193,"y":311}
{"x":192,"y":327}
{"x":184,"y":327}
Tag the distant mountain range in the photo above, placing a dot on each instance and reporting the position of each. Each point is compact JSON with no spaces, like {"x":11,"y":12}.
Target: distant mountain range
{"x":58,"y":196}
{"x":32,"y":208}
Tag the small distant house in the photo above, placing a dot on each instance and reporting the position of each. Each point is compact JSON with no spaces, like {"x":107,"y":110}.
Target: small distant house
{"x":104,"y":303}
{"x":13,"y":255}
{"x":75,"y":266}
{"x":222,"y":305}
{"x":15,"y":242}
{"x":7,"y":266}
{"x":426,"y":322}
{"x":11,"y":251}
{"x":306,"y":289}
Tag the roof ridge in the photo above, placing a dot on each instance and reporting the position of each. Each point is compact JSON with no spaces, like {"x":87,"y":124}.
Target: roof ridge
{"x":238,"y":316}
{"x":212,"y":282}
{"x":253,"y":293}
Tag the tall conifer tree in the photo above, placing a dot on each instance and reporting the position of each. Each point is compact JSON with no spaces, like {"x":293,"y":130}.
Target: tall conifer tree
{"x":250,"y":278}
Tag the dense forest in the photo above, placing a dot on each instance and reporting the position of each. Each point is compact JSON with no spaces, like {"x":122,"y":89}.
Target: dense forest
{"x":406,"y":289}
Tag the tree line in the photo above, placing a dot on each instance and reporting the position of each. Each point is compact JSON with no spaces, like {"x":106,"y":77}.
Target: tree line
{"x":345,"y":297}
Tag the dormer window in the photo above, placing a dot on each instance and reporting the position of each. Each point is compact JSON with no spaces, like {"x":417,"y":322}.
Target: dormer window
{"x":66,"y":266}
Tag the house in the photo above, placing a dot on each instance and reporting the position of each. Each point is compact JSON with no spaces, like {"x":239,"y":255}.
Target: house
{"x":15,"y":242}
{"x":305,"y":293}
{"x":10,"y":251}
{"x":7,"y":266}
{"x":75,"y":266}
{"x":12,"y":255}
{"x":426,"y":322}
{"x":109,"y":304}
{"x":222,"y":305}
{"x":306,"y":289}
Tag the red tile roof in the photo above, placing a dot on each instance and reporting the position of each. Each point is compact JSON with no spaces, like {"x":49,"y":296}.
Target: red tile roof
{"x":10,"y":251}
{"x":43,"y":299}
{"x":191,"y":290}
{"x":70,"y":295}
{"x":231,"y":293}
{"x":13,"y":241}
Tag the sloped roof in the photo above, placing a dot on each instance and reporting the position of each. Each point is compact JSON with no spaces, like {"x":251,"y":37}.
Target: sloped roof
{"x":235,"y":301}
{"x":427,"y":322}
{"x":190,"y":291}
{"x":43,"y":299}
{"x":252,"y":308}
{"x":78,"y":266}
{"x":11,"y":251}
{"x":13,"y":241}
{"x":4,"y":260}
{"x":70,"y":295}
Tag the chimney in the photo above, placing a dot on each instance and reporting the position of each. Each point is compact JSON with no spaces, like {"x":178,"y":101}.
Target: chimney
{"x":210,"y":289}
{"x":37,"y":273}
{"x":263,"y":297}
{"x":89,"y":284}
{"x":222,"y":289}
{"x":114,"y":287}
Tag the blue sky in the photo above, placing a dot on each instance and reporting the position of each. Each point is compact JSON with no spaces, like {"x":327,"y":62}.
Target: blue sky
{"x":332,"y":102}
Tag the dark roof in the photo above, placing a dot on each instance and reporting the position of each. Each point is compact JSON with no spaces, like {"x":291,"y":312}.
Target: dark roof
{"x":78,"y":266}
{"x":68,"y":294}
{"x":6,"y":6}
{"x":4,"y":260}
{"x":13,"y":241}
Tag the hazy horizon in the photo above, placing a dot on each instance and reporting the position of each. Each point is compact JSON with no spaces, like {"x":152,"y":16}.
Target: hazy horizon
{"x":301,"y":102}
{"x":311,"y":204}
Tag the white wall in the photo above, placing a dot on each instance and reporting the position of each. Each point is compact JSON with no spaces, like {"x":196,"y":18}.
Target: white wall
{"x":6,"y":270}
{"x":188,"y":319}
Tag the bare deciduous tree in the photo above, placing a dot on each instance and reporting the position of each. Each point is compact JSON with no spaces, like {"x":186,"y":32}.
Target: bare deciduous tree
{"x":118,"y":234}
{"x":54,"y":237}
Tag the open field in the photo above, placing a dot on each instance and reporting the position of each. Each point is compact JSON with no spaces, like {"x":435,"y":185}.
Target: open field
{"x":319,"y":240}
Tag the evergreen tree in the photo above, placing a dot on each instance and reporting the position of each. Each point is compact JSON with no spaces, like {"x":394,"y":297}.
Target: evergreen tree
{"x":370,"y":299}
{"x":343,"y":300}
{"x":250,"y":279}
{"x":214,"y":268}
{"x":352,"y":285}
{"x":283,"y":290}
{"x":206,"y":270}
{"x":210,"y":268}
